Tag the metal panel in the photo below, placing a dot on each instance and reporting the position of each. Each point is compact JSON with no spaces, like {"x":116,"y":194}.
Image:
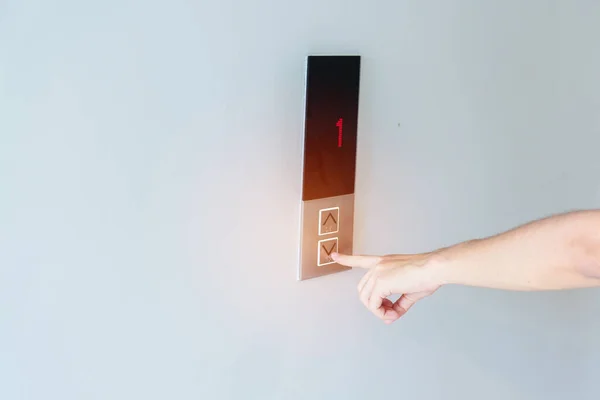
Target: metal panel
{"x":320,"y":236}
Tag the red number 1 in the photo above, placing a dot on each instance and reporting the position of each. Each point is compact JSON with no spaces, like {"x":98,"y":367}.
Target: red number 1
{"x":340,"y":126}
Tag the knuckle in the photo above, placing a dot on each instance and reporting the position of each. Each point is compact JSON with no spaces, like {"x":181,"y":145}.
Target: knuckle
{"x":365,"y":300}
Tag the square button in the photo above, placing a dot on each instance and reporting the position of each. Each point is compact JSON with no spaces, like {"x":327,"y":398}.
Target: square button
{"x":326,"y":248}
{"x":329,"y":221}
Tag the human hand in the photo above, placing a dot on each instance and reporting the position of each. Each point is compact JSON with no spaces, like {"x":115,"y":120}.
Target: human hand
{"x":411,"y":276}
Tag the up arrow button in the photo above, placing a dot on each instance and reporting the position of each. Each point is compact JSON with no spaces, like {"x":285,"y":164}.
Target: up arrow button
{"x":329,"y":221}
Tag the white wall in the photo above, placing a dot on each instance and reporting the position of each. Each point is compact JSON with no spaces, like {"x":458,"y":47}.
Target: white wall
{"x":150,"y":156}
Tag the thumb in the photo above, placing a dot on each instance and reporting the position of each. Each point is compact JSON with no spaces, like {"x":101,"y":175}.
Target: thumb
{"x":355,"y":261}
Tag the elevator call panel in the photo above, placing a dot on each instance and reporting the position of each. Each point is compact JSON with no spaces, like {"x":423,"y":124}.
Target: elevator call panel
{"x":329,"y":162}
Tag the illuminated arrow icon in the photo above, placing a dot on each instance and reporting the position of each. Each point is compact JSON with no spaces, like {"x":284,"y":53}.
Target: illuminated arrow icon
{"x":330,"y":216}
{"x":325,"y":249}
{"x":328,"y":220}
{"x":333,"y":246}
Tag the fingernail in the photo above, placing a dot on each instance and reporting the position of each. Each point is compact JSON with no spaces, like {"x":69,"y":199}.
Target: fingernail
{"x":334,"y":255}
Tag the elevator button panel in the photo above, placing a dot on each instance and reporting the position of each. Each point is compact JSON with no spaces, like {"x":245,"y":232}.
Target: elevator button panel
{"x":317,"y":245}
{"x":329,"y":162}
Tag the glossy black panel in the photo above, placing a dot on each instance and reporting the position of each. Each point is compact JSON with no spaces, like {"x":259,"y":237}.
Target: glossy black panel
{"x":330,"y":126}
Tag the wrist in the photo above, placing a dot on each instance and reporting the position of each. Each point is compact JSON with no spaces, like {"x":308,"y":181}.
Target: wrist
{"x":445,"y":263}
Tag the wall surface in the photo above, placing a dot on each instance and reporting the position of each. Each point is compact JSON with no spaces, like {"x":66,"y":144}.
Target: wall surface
{"x":150,"y":156}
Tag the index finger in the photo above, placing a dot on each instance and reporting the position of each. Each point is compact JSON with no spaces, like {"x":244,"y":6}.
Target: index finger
{"x":355,"y":261}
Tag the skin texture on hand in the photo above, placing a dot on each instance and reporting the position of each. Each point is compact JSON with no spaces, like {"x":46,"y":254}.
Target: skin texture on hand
{"x":408,"y":275}
{"x":553,"y":253}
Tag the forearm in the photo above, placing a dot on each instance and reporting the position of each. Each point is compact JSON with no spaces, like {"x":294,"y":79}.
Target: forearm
{"x":559,"y":252}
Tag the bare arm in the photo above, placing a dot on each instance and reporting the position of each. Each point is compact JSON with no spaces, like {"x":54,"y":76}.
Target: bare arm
{"x":558,"y":252}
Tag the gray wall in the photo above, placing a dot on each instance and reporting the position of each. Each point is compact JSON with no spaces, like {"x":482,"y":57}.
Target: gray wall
{"x":150,"y":160}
